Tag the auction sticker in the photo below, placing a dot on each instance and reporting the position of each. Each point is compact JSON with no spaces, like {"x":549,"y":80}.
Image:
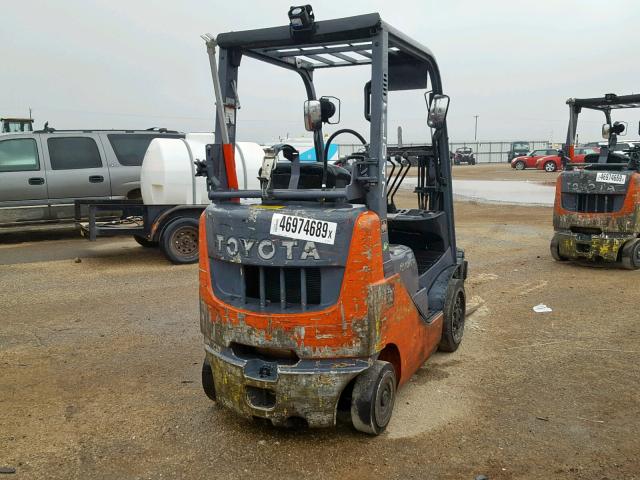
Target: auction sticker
{"x":608,"y":177}
{"x":303,"y":228}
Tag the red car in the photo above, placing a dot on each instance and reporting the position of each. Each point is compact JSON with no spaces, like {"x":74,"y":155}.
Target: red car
{"x":529,"y":161}
{"x":554,"y":162}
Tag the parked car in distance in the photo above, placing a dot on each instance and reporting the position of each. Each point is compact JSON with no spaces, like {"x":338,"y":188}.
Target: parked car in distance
{"x":553,"y":163}
{"x":517,"y":149}
{"x":529,"y":161}
{"x":42,"y":173}
{"x":464,"y":155}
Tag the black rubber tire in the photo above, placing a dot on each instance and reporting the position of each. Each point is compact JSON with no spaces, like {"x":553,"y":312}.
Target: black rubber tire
{"x":144,"y":242}
{"x":550,"y":167}
{"x":207,"y":381}
{"x":455,"y":307}
{"x":554,"y":247}
{"x":179,"y":241}
{"x":630,"y":256}
{"x":520,"y":165}
{"x":373,"y":398}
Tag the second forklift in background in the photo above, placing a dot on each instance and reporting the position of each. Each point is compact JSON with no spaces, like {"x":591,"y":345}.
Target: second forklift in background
{"x":597,"y":206}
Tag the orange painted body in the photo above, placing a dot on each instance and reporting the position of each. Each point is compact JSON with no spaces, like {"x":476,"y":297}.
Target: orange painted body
{"x":372,"y":314}
{"x":629,"y":207}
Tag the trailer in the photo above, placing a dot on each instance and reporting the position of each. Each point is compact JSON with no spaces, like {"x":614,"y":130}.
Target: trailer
{"x":172,"y":228}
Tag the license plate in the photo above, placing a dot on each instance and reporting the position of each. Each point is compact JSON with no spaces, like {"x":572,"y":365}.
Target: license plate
{"x":607,"y":177}
{"x":303,"y":228}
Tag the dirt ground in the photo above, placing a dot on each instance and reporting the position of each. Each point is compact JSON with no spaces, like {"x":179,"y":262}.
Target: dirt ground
{"x":100,"y":371}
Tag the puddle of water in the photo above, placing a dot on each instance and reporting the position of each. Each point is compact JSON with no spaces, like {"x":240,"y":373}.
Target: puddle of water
{"x":499,"y":191}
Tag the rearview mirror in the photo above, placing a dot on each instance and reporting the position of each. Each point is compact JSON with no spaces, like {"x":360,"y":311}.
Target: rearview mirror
{"x":312,"y":115}
{"x":606,"y":130}
{"x":438,"y":108}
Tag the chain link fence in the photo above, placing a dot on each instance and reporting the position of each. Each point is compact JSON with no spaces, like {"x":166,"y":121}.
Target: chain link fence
{"x":485,"y":152}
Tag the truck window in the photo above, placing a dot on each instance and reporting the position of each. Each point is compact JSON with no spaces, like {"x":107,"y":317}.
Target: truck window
{"x":19,"y":155}
{"x":130,"y":149}
{"x":70,"y":153}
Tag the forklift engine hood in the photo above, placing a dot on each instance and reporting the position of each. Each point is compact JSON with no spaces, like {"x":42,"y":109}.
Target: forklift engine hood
{"x":245,"y":234}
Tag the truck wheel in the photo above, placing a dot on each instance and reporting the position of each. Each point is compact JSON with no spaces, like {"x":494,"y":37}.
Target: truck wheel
{"x":554,"y":247}
{"x":373,"y":397}
{"x":455,"y":306}
{"x":550,"y":167}
{"x":207,"y":381}
{"x":631,"y":255}
{"x":144,"y":242}
{"x":179,"y":240}
{"x":520,"y":165}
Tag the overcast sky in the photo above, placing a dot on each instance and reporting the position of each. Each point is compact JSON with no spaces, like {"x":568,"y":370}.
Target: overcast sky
{"x":137,"y":64}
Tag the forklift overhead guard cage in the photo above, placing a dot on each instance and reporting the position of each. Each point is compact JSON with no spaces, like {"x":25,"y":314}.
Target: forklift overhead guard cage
{"x":397,"y":63}
{"x":605,"y":104}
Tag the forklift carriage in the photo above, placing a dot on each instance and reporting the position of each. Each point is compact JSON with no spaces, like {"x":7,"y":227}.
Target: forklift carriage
{"x":596,"y":214}
{"x":322,"y":297}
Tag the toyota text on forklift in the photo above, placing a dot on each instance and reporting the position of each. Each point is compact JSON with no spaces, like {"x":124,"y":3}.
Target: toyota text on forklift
{"x":323,"y":298}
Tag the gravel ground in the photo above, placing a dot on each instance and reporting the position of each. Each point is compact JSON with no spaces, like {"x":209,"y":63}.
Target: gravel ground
{"x":101,"y":360}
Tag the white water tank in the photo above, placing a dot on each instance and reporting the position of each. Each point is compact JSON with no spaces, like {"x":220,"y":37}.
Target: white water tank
{"x":167,"y":174}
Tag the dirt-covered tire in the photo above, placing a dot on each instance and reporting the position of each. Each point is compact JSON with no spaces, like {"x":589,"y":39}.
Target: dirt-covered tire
{"x":554,"y":248}
{"x":550,"y":167}
{"x":179,"y":240}
{"x":144,"y":242}
{"x":207,"y":381}
{"x":630,"y":256}
{"x":520,"y":165}
{"x":373,"y":398}
{"x":455,"y":307}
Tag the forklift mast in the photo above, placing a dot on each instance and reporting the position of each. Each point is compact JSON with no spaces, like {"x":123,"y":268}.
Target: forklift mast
{"x":396,"y":62}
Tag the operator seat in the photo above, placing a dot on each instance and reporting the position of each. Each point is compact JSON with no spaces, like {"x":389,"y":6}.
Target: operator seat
{"x":613,"y":157}
{"x":310,"y":175}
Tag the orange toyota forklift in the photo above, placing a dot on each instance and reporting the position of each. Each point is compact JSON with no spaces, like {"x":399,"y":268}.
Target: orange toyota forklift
{"x":596,"y":215}
{"x":319,"y":296}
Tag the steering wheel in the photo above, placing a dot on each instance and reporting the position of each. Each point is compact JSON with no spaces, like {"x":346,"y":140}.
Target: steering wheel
{"x":339,"y":132}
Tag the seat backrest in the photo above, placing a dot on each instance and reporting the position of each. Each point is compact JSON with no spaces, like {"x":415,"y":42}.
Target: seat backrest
{"x":613,"y":157}
{"x":310,"y":175}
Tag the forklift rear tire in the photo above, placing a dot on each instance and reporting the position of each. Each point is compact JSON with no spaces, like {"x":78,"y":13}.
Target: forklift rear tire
{"x":179,"y":240}
{"x":520,"y":165}
{"x":455,"y":307}
{"x":144,"y":242}
{"x":207,"y":381}
{"x":631,"y":255}
{"x":555,"y":250}
{"x":373,"y":398}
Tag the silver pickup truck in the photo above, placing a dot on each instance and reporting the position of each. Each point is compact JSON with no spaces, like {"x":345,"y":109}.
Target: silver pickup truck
{"x":42,"y":173}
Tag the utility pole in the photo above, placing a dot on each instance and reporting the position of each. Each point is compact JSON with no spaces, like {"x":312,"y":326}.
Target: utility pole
{"x":475,"y":133}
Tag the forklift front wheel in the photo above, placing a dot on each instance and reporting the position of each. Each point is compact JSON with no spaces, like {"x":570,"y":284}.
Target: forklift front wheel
{"x":455,"y":307}
{"x":631,"y":254}
{"x":179,"y":240}
{"x":207,"y":381}
{"x":373,"y":397}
